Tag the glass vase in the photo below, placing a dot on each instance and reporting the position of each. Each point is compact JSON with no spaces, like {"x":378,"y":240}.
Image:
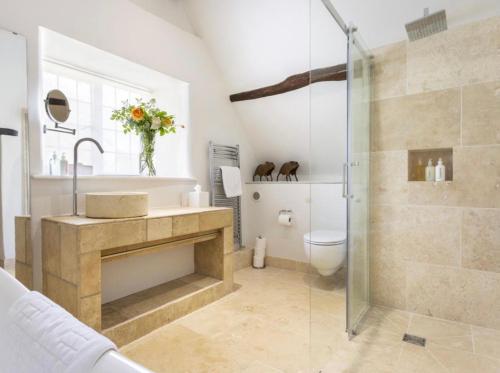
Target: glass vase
{"x":146,"y":162}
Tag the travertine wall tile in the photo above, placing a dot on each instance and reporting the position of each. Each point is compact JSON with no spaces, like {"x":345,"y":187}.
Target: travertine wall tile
{"x":421,"y":121}
{"x":481,"y":110}
{"x":388,"y":177}
{"x":389,"y":71}
{"x":417,"y":233}
{"x":454,"y":293}
{"x":435,"y":246}
{"x":460,"y":56}
{"x":437,"y":194}
{"x":481,"y":239}
{"x":387,"y":278}
{"x":477,"y":176}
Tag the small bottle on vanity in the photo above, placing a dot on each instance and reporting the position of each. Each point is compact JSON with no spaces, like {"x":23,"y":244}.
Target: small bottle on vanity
{"x":440,"y":171}
{"x":430,"y":173}
{"x":54,"y":167}
{"x":63,"y":165}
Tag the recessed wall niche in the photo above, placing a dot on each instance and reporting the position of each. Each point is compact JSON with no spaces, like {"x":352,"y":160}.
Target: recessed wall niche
{"x":419,"y":158}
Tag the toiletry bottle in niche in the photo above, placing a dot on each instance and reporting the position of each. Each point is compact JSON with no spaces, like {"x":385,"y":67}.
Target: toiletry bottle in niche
{"x":430,"y":174}
{"x":64,"y":165}
{"x":440,"y":171}
{"x":420,"y":171}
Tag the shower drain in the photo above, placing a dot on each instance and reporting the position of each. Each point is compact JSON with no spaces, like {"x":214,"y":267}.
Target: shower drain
{"x":413,"y":339}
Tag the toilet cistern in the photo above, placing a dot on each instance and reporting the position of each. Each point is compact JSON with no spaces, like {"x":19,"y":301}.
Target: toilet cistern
{"x":75,"y":168}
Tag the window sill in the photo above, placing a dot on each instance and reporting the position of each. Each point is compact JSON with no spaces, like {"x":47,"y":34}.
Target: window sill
{"x":118,"y":178}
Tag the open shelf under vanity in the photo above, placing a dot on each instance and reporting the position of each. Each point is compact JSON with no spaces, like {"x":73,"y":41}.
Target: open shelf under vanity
{"x":165,"y":302}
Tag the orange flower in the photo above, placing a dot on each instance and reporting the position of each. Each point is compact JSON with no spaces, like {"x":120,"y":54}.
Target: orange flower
{"x":137,"y":114}
{"x":167,"y":122}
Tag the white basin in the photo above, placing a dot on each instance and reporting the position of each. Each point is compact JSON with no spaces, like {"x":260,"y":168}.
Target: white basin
{"x":116,"y":205}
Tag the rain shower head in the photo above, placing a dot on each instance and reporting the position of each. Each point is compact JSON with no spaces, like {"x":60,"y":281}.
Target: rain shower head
{"x":428,"y":25}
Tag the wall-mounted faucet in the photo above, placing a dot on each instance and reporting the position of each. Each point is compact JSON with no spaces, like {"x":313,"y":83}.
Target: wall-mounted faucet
{"x":75,"y":168}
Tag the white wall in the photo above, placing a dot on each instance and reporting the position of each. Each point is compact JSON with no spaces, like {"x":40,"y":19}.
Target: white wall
{"x":13,"y":96}
{"x":122,"y":28}
{"x":314,"y":206}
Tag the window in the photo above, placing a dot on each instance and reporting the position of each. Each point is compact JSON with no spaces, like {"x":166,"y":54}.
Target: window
{"x":92,"y":99}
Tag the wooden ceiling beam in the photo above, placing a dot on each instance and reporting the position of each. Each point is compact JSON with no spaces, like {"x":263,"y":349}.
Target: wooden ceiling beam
{"x":325,"y":74}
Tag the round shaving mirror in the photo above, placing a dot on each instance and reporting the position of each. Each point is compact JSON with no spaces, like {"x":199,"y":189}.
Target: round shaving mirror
{"x":57,"y":106}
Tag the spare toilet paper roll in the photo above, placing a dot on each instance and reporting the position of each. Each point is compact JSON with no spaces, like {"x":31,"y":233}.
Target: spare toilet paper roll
{"x":258,"y":261}
{"x":260,"y":242}
{"x":260,"y":246}
{"x":285,"y":219}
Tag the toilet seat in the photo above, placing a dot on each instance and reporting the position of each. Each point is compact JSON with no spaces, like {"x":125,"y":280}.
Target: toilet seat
{"x":325,"y":237}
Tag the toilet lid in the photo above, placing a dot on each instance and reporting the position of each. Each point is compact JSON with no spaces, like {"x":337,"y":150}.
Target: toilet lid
{"x":325,"y":237}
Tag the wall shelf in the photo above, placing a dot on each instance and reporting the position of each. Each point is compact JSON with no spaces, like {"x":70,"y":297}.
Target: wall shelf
{"x":418,"y":158}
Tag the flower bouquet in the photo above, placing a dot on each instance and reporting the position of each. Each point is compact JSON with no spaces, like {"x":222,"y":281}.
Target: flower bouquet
{"x":145,"y":120}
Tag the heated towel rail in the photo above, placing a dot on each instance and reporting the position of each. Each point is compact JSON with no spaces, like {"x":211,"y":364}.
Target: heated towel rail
{"x":224,"y":155}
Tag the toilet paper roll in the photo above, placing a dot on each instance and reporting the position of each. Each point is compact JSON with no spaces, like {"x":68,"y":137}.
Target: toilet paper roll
{"x":258,"y":261}
{"x":260,"y":246}
{"x":260,"y":252}
{"x":285,"y":219}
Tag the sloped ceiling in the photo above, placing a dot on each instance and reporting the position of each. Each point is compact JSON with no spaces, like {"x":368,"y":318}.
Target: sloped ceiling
{"x":171,"y":11}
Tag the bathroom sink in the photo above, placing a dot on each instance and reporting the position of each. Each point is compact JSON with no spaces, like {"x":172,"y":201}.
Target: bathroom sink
{"x":115,"y":205}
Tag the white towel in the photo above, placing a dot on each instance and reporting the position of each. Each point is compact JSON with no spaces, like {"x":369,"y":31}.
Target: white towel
{"x":43,"y":337}
{"x":231,"y":178}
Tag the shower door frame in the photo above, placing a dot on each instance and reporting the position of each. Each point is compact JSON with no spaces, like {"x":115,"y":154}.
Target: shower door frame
{"x":354,"y":42}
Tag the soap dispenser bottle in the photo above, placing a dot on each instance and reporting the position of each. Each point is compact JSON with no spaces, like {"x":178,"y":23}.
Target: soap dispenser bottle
{"x":440,"y":171}
{"x":430,"y":174}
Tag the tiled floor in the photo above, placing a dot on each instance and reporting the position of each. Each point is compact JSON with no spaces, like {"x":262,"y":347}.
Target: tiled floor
{"x":285,"y":321}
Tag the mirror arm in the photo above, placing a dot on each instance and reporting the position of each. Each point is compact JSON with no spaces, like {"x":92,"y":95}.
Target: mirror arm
{"x":61,"y":129}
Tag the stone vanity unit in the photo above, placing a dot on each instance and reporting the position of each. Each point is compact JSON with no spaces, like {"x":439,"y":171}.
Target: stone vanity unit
{"x":73,"y":248}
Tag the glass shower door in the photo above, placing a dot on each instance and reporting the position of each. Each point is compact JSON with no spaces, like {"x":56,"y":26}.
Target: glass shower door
{"x":356,"y":179}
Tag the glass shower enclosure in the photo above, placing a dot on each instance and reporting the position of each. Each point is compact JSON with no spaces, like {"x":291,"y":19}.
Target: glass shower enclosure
{"x":340,"y":168}
{"x":357,"y":178}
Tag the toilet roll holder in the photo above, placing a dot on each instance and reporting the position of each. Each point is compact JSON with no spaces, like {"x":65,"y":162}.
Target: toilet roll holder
{"x":285,"y":212}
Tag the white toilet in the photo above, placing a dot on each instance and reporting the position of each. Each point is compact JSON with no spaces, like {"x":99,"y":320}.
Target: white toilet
{"x":326,"y":250}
